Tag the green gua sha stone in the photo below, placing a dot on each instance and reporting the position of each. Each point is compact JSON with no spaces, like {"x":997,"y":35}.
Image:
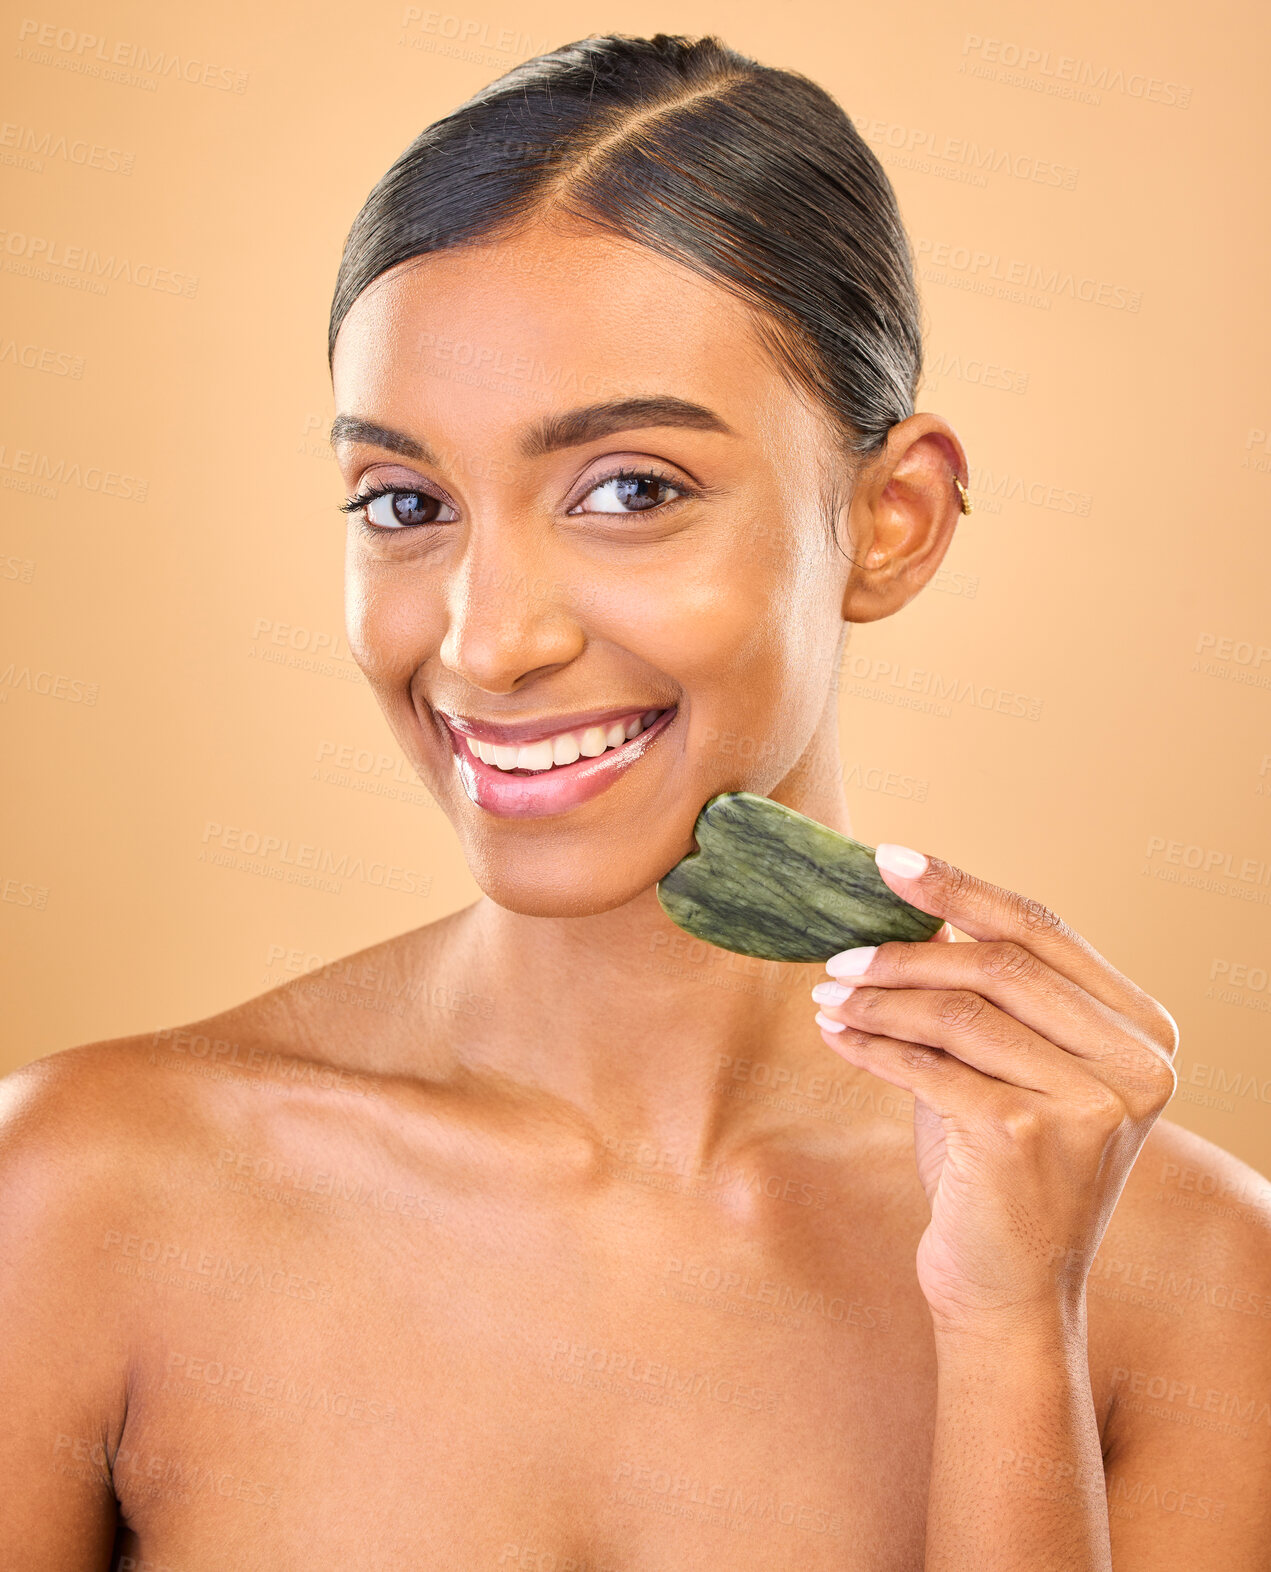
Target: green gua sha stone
{"x":769,"y":882}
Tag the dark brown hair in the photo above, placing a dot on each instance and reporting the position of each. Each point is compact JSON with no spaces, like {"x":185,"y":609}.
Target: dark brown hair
{"x":752,"y":176}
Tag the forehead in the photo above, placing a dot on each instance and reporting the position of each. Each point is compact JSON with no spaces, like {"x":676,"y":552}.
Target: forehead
{"x":495,"y":335}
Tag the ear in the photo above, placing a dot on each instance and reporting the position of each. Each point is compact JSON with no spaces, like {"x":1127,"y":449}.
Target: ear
{"x":904,"y":510}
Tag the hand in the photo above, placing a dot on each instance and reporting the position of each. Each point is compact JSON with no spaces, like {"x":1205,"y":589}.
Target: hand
{"x":1037,"y":1070}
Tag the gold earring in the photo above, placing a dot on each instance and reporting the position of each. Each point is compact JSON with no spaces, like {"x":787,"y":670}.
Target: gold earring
{"x":962,"y":493}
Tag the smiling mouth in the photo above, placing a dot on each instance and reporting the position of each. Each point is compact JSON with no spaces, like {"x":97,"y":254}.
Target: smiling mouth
{"x":541,"y":776}
{"x":558,"y":750}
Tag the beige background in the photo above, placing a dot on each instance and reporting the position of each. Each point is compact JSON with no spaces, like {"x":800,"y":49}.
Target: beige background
{"x":172,"y":663}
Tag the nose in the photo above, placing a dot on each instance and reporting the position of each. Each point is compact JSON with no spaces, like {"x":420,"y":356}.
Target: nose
{"x":510,"y":618}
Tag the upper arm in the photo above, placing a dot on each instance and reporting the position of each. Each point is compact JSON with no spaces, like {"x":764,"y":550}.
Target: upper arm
{"x":62,"y":1393}
{"x":1188,"y":1444}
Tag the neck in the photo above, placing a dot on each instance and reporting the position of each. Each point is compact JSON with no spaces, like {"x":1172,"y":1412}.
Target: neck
{"x":643,"y":1032}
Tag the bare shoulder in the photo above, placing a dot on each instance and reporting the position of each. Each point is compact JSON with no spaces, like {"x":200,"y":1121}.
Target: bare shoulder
{"x":157,"y":1189}
{"x":114,"y":1155}
{"x":1181,"y":1295}
{"x":110,"y":1118}
{"x":1190,"y":1207}
{"x":374,"y":1011}
{"x":83,"y":1143}
{"x":82,"y":1122}
{"x":95,"y":1142}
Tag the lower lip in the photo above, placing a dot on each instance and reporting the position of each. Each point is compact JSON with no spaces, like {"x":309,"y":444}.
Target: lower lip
{"x":552,"y":791}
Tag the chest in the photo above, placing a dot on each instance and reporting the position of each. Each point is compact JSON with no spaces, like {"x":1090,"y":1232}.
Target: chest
{"x":491,"y":1383}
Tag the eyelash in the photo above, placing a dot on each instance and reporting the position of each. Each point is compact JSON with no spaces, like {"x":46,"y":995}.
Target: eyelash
{"x":360,"y":500}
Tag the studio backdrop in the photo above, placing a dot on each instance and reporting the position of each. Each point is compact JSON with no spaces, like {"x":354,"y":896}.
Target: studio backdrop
{"x":202,"y":799}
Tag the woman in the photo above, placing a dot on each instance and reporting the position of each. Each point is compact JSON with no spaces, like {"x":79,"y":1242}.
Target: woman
{"x":539,"y":1237}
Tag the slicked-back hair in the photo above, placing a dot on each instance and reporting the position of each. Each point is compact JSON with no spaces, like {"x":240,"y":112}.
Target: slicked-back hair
{"x":751,"y":176}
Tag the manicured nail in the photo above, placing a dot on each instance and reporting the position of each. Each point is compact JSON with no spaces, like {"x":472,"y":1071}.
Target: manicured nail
{"x":827,"y":1025}
{"x":899,"y":859}
{"x":831,"y":993}
{"x":851,"y":963}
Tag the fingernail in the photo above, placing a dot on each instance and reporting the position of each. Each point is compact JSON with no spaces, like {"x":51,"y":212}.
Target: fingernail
{"x":831,"y":993}
{"x":827,"y":1025}
{"x":900,"y":859}
{"x":851,"y":963}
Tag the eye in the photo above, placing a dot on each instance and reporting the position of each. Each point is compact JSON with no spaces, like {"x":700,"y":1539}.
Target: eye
{"x":389,"y":509}
{"x":630,"y":492}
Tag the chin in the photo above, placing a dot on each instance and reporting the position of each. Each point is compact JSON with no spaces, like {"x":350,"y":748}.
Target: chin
{"x":558,"y":884}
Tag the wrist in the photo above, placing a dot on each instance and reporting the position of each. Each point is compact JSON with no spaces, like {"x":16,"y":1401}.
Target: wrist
{"x":1020,"y":1332}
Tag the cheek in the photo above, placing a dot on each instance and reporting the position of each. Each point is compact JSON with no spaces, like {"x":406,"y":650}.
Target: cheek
{"x":391,"y":625}
{"x":759,"y":637}
{"x":738,"y":644}
{"x":700,"y":617}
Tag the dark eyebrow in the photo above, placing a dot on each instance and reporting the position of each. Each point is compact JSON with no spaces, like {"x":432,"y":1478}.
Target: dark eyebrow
{"x":348,"y":428}
{"x":567,"y":430}
{"x":577,"y":426}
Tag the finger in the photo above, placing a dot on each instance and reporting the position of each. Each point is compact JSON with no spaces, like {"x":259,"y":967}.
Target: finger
{"x":987,"y":911}
{"x":1018,"y":982}
{"x":947,"y":1086}
{"x":967,"y":1026}
{"x":1011,"y":1118}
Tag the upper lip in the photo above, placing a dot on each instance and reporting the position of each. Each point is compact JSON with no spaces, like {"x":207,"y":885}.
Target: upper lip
{"x":512,"y":733}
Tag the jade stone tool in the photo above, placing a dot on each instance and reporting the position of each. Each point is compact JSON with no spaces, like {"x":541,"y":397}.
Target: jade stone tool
{"x":769,"y":882}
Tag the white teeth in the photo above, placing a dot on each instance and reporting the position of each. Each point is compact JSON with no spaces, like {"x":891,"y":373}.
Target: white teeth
{"x":565,"y":748}
{"x":534,"y":755}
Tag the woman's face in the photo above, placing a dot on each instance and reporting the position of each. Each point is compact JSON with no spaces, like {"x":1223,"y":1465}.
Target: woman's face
{"x":606,"y":542}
